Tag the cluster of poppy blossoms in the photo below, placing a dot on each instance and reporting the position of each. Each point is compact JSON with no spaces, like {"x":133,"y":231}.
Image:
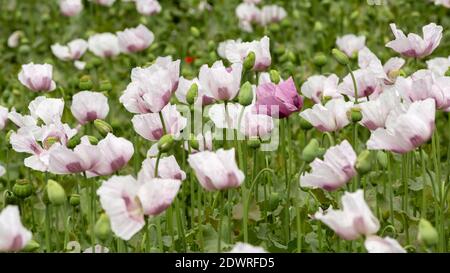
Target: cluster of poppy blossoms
{"x":397,"y":112}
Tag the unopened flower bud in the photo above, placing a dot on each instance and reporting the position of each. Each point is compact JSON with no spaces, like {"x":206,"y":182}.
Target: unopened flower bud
{"x":22,"y":188}
{"x":318,"y":27}
{"x":85,"y":83}
{"x":364,"y":162}
{"x":102,"y":228}
{"x":382,"y":159}
{"x":340,"y":56}
{"x":355,"y":115}
{"x":193,"y":142}
{"x":320,"y":59}
{"x":105,"y":85}
{"x":31,"y":246}
{"x":74,"y":200}
{"x":103,"y":127}
{"x":73,"y":142}
{"x":165,"y":143}
{"x":249,"y":61}
{"x":56,"y":193}
{"x":427,"y":233}
{"x":93,"y":140}
{"x":246,"y":94}
{"x":192,"y":94}
{"x":254,"y":143}
{"x":274,"y":76}
{"x":310,"y":152}
{"x":304,"y":124}
{"x":195,"y":32}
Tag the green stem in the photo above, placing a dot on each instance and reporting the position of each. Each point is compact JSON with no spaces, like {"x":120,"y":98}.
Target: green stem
{"x":391,"y":188}
{"x":47,"y":228}
{"x":219,"y":237}
{"x":162,"y":122}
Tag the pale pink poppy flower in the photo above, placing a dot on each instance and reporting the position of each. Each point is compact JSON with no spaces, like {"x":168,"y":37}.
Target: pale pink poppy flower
{"x":148,"y":7}
{"x":106,"y":3}
{"x":183,"y":87}
{"x":3,"y":117}
{"x":375,"y":112}
{"x":168,"y":168}
{"x":205,"y":142}
{"x":353,"y":220}
{"x":118,"y":197}
{"x":72,"y":51}
{"x":439,"y":65}
{"x":387,"y":72}
{"x":375,"y":244}
{"x":225,"y":118}
{"x":255,"y":125}
{"x":37,"y":77}
{"x":221,"y":49}
{"x":367,"y":84}
{"x":13,"y":235}
{"x":407,"y":130}
{"x":149,"y":125}
{"x":21,"y":120}
{"x":49,"y":110}
{"x":445,"y":3}
{"x":104,"y":45}
{"x":272,"y":14}
{"x":351,"y":44}
{"x":220,"y":82}
{"x":329,"y":118}
{"x":246,"y":248}
{"x":317,"y":87}
{"x":264,"y":77}
{"x":216,"y":170}
{"x":58,"y":130}
{"x":157,"y":195}
{"x":88,"y":106}
{"x":70,"y":7}
{"x":14,"y":39}
{"x":135,"y":39}
{"x":84,"y":157}
{"x":247,"y":14}
{"x":79,"y":65}
{"x":413,"y":45}
{"x":115,"y":152}
{"x":337,"y":168}
{"x":237,"y":52}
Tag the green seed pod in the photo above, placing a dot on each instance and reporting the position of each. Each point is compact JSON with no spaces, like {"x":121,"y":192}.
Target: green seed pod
{"x":74,"y":200}
{"x":31,"y":246}
{"x":274,"y":76}
{"x":254,"y":143}
{"x":364,"y":162}
{"x":103,"y":127}
{"x":22,"y":188}
{"x":249,"y":61}
{"x":56,"y":193}
{"x":427,"y":233}
{"x":85,"y":83}
{"x":105,"y":85}
{"x":9,"y":198}
{"x":193,"y":142}
{"x":49,"y":141}
{"x":310,"y":152}
{"x":291,"y":56}
{"x":246,"y":94}
{"x":318,"y":27}
{"x":192,"y":94}
{"x":102,"y":228}
{"x":304,"y":124}
{"x":195,"y":32}
{"x":340,"y":56}
{"x":165,"y":143}
{"x":355,"y":115}
{"x":24,"y":49}
{"x":382,"y":159}
{"x":320,"y":59}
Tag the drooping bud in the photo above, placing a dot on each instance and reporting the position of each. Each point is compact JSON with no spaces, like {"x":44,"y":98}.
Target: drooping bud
{"x":85,"y":83}
{"x":340,"y":56}
{"x":103,"y":127}
{"x":382,"y":159}
{"x":192,"y":94}
{"x":304,"y":124}
{"x":102,"y":228}
{"x":249,"y":61}
{"x":56,"y":193}
{"x":427,"y":233}
{"x":195,"y":32}
{"x":364,"y":162}
{"x":320,"y":59}
{"x":274,"y":76}
{"x":165,"y":143}
{"x":246,"y":94}
{"x":254,"y":143}
{"x":93,"y":140}
{"x":22,"y":188}
{"x":310,"y":152}
{"x":74,"y":200}
{"x":73,"y":142}
{"x":105,"y":85}
{"x":31,"y":246}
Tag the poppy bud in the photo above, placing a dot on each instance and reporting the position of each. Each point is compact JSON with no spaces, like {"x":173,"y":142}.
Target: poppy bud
{"x":254,"y":143}
{"x":246,"y":94}
{"x":22,"y":188}
{"x":74,"y":200}
{"x":193,"y":142}
{"x":85,"y":83}
{"x":427,"y":233}
{"x":195,"y":32}
{"x":31,"y":246}
{"x":165,"y":143}
{"x":192,"y":94}
{"x":73,"y":142}
{"x":102,"y":127}
{"x":318,"y":27}
{"x":249,"y":61}
{"x":304,"y":124}
{"x":102,"y":228}
{"x":105,"y":85}
{"x":211,"y":45}
{"x":274,"y":76}
{"x":93,"y":140}
{"x":340,"y":56}
{"x":310,"y":152}
{"x":320,"y":59}
{"x":56,"y":193}
{"x":382,"y":159}
{"x":9,"y":198}
{"x":364,"y":162}
{"x":355,"y":115}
